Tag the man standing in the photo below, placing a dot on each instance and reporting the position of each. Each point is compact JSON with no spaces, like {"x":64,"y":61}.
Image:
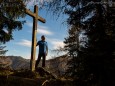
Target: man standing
{"x":43,"y":51}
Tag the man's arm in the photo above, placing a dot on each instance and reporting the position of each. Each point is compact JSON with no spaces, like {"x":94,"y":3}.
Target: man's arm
{"x":47,"y":49}
{"x":37,"y":43}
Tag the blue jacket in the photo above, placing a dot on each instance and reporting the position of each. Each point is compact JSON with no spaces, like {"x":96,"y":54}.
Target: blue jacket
{"x":43,"y":47}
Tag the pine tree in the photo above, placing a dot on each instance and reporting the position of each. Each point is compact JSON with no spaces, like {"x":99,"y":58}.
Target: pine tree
{"x":95,"y":59}
{"x":2,"y":51}
{"x":72,"y":44}
{"x":10,"y":11}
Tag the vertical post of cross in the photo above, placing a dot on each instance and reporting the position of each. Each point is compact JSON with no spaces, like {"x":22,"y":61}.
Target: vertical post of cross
{"x":33,"y":48}
{"x":34,"y":31}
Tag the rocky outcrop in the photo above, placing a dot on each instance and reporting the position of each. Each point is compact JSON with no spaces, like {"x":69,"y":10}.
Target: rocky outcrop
{"x":40,"y":77}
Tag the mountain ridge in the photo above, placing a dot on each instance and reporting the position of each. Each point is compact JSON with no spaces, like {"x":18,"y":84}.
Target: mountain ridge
{"x":56,"y":66}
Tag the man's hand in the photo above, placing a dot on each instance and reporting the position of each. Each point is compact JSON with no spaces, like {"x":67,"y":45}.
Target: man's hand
{"x":46,"y":54}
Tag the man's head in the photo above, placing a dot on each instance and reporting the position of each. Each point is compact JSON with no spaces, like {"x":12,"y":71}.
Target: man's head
{"x":43,"y":38}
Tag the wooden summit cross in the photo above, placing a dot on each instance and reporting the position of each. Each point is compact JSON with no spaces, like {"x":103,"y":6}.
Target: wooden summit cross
{"x":33,"y":48}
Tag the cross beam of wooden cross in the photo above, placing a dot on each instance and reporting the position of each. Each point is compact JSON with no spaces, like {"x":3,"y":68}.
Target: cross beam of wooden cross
{"x":33,"y":48}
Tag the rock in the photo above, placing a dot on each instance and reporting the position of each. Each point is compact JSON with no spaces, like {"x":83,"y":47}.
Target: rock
{"x":44,"y":73}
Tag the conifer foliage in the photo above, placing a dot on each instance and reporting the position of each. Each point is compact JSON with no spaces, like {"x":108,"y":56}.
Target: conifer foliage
{"x":92,"y":57}
{"x":2,"y":51}
{"x":94,"y":63}
{"x":10,"y":11}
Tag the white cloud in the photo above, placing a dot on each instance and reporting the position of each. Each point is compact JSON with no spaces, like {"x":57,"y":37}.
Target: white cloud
{"x":24,"y":42}
{"x":40,"y":29}
{"x":29,"y":3}
{"x":44,"y":30}
{"x":28,"y":23}
{"x":56,"y":43}
{"x":36,"y":2}
{"x":42,"y":1}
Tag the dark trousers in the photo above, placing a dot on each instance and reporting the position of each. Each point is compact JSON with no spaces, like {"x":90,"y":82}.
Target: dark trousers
{"x":43,"y":60}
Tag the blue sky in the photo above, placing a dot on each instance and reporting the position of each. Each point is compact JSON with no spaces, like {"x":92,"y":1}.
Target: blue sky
{"x":53,"y":29}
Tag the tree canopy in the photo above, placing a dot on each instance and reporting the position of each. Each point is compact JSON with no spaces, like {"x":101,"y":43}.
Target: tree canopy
{"x":10,"y":11}
{"x":93,"y":58}
{"x":2,"y":51}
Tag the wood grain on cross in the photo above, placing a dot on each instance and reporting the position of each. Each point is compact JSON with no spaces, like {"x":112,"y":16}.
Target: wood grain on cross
{"x":33,"y":48}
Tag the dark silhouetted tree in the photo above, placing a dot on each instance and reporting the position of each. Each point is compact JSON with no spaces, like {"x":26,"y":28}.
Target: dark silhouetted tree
{"x":95,"y":61}
{"x":10,"y":11}
{"x":2,"y":51}
{"x":94,"y":57}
